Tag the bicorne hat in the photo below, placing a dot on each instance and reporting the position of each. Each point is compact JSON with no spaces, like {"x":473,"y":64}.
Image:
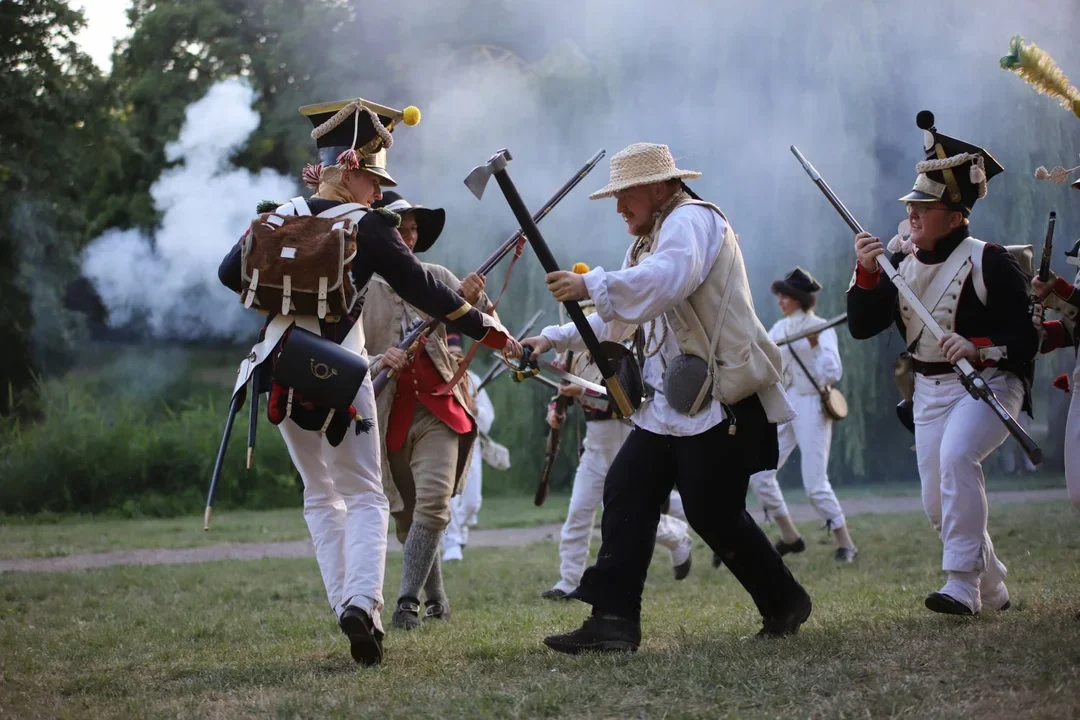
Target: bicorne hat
{"x":798,"y":285}
{"x":353,"y":135}
{"x":429,"y":221}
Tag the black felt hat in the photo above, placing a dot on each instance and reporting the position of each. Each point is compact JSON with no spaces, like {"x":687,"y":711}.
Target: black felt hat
{"x":954,"y":172}
{"x":429,"y":221}
{"x":798,"y":285}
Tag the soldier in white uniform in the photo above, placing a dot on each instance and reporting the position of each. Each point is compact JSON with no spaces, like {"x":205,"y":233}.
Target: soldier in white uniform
{"x":346,"y":511}
{"x":978,"y":293}
{"x":811,"y":429}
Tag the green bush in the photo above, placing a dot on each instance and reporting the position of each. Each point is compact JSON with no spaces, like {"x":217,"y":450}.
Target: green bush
{"x":136,"y":448}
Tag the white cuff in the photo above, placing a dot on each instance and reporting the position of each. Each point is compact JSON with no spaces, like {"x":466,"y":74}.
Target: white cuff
{"x":596,"y":282}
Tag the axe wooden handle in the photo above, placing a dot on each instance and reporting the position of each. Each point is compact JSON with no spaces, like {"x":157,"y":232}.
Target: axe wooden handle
{"x":547,"y":260}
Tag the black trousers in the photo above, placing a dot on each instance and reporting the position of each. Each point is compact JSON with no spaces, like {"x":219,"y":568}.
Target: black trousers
{"x":711,"y":471}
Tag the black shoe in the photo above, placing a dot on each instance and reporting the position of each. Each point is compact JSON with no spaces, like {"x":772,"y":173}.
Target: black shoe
{"x":846,"y":555}
{"x":554,"y":594}
{"x":681,"y":571}
{"x":942,"y":603}
{"x":784,"y":548}
{"x":365,"y":642}
{"x":788,"y":623}
{"x":599,"y":634}
{"x":407,"y":614}
{"x":716,"y":561}
{"x":434,"y":610}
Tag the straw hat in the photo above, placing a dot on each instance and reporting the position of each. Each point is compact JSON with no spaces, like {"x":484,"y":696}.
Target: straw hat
{"x":642,"y":164}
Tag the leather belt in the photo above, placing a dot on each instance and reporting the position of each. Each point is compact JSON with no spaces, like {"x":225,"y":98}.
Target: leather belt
{"x":932,"y":368}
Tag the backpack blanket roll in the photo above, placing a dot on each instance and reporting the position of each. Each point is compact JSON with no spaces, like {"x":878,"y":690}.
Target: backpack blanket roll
{"x":299,"y":265}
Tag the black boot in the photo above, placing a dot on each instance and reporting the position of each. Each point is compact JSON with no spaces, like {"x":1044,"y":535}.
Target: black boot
{"x":599,"y":633}
{"x":407,"y":614}
{"x":785,"y":548}
{"x":365,"y":642}
{"x":787,"y":623}
{"x":435,"y":610}
{"x":681,"y":571}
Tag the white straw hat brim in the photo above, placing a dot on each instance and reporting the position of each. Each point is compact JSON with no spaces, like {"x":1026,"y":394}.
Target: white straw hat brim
{"x":612,"y":188}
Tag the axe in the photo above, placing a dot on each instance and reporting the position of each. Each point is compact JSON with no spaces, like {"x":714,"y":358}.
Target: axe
{"x":477,"y":181}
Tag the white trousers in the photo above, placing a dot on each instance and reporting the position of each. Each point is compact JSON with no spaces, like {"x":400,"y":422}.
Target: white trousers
{"x":603,"y":438}
{"x":1072,"y":439}
{"x":811,"y":430}
{"x":954,"y":433}
{"x":465,"y":508}
{"x":346,"y":511}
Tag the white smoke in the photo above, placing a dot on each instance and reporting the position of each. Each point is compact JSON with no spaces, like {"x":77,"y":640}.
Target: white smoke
{"x":168,"y":280}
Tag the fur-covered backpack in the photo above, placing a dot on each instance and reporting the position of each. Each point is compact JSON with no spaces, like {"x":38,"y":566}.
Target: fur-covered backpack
{"x":300,"y":263}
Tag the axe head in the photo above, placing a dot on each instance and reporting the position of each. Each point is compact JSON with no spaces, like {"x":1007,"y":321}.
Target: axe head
{"x":477,"y":180}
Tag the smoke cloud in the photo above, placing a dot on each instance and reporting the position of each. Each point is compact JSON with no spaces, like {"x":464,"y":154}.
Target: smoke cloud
{"x":168,"y":280}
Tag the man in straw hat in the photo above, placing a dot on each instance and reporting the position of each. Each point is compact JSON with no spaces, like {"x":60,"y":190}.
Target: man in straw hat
{"x":604,"y":436}
{"x":714,"y":397}
{"x":811,"y":430}
{"x":427,"y":434}
{"x":1040,"y":71}
{"x":978,"y":293}
{"x":346,"y":511}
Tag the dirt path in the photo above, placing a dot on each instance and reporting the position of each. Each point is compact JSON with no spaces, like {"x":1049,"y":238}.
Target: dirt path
{"x":509,"y":537}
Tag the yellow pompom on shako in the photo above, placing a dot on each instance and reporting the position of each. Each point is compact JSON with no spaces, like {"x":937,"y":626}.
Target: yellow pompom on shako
{"x":411,"y":116}
{"x":580,"y":268}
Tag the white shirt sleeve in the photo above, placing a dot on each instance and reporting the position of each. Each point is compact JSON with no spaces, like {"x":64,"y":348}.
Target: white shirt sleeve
{"x":636,"y":295}
{"x":827,"y":366}
{"x":485,"y":412}
{"x":566,"y":337}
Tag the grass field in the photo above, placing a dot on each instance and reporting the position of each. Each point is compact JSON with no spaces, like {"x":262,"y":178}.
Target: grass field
{"x":255,"y":639}
{"x":55,"y":536}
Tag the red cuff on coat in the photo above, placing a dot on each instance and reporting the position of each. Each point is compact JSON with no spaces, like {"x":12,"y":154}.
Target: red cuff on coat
{"x":981,"y":342}
{"x":1053,"y":336}
{"x":865,"y":279}
{"x":494,"y":339}
{"x":1063,"y":288}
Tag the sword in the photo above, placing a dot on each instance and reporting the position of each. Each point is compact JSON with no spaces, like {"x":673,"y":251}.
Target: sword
{"x":530,"y":368}
{"x":838,"y":320}
{"x":498,"y":368}
{"x":973,"y":382}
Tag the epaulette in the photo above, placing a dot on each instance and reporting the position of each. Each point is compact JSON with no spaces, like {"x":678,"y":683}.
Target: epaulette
{"x":267,"y":206}
{"x":390,"y":216}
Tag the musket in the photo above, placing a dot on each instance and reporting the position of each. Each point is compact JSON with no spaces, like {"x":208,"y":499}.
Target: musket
{"x":1038,"y":310}
{"x":973,"y":382}
{"x":499,"y":368}
{"x":412,"y":341}
{"x":1048,"y":248}
{"x":838,"y":320}
{"x":551,"y":448}
{"x":234,"y":408}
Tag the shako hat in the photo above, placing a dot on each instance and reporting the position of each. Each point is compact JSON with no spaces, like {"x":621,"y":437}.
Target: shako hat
{"x":642,"y":164}
{"x":353,"y":135}
{"x":798,"y":285}
{"x":954,"y":172}
{"x":429,"y":221}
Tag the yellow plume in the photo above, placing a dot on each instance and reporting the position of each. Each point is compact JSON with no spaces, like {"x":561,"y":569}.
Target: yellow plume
{"x":1040,"y":71}
{"x":580,"y":268}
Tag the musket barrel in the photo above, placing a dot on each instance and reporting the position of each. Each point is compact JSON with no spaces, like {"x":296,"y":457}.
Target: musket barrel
{"x":382,"y":378}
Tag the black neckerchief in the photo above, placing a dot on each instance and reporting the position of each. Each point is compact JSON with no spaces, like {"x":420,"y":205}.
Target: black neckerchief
{"x":944,"y":247}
